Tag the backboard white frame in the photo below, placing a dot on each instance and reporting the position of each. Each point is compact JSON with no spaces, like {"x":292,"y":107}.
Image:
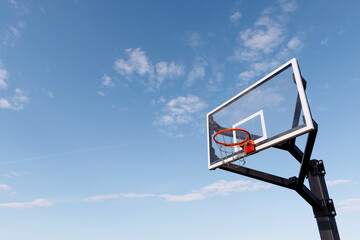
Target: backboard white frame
{"x":286,"y":136}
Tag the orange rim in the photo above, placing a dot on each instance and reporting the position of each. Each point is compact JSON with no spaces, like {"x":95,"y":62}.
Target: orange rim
{"x":238,"y":144}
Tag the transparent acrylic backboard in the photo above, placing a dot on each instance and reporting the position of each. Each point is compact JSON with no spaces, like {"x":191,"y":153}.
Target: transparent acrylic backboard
{"x":274,"y":109}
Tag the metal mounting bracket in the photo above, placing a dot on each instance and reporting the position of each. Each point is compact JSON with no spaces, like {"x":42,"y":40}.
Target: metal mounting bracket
{"x":328,"y":209}
{"x":318,"y":168}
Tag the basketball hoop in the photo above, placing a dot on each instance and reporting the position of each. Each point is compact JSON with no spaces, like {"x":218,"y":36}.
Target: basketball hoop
{"x":229,"y":145}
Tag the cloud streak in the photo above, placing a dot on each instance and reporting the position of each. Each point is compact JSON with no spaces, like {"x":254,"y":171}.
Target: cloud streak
{"x":102,"y":197}
{"x":12,"y":174}
{"x":41,"y":202}
{"x":4,"y":187}
{"x":349,"y":205}
{"x":337,"y":182}
{"x":219,"y":188}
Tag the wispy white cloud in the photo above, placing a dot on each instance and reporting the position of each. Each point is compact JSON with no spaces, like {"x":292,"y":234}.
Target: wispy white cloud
{"x":13,"y":3}
{"x":12,"y":174}
{"x":288,"y":5}
{"x":180,"y":110}
{"x":263,"y":66}
{"x":137,"y":62}
{"x":166,"y":70}
{"x":161,"y":100}
{"x":262,"y":38}
{"x":102,"y":197}
{"x":246,"y":76}
{"x":197,"y":72}
{"x":266,"y":44}
{"x":36,"y":203}
{"x":106,"y":81}
{"x":3,"y":76}
{"x":257,"y":68}
{"x":135,"y":195}
{"x":16,"y":174}
{"x":324,"y":41}
{"x":220,"y":188}
{"x":13,"y":33}
{"x":189,"y":197}
{"x":4,"y":187}
{"x":295,"y":43}
{"x":17,"y":101}
{"x":5,"y":104}
{"x":100,"y":93}
{"x":140,"y":64}
{"x":216,"y":78}
{"x":349,"y":205}
{"x":48,"y":93}
{"x":21,"y":24}
{"x":20,"y":8}
{"x":195,"y":40}
{"x":337,"y":182}
{"x":235,"y":17}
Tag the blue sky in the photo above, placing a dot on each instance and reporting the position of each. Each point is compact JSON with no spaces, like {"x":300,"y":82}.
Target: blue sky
{"x":103,"y":116}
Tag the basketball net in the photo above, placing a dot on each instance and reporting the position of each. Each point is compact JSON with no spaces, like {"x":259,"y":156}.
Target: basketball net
{"x":230,"y":147}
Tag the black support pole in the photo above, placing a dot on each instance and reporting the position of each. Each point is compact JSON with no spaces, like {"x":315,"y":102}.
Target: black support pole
{"x":325,"y":217}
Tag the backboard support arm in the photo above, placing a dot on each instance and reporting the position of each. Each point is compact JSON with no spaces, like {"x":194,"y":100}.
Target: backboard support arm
{"x":307,"y":154}
{"x":265,"y":177}
{"x":317,"y":196}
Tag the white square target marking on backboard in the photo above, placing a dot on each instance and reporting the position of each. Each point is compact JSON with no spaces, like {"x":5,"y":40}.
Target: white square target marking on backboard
{"x":278,"y":99}
{"x":259,"y":114}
